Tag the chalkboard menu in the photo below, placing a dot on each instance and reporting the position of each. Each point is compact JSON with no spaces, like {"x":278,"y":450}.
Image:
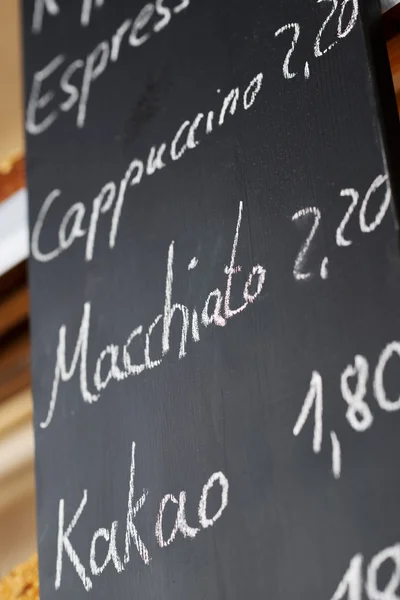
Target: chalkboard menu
{"x":215,"y":293}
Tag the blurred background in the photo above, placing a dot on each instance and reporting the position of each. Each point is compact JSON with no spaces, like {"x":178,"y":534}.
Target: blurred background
{"x":17,"y":487}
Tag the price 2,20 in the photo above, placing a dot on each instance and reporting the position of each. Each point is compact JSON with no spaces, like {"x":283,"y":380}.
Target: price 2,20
{"x":367,"y":224}
{"x":345,"y":13}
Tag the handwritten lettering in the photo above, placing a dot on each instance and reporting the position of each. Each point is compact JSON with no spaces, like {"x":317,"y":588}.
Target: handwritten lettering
{"x":151,"y":19}
{"x":221,"y":313}
{"x":112,"y":196}
{"x":109,"y":536}
{"x":354,"y":388}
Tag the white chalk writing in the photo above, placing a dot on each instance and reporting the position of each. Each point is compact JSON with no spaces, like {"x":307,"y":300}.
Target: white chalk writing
{"x":65,"y":536}
{"x":135,"y":32}
{"x":354,"y":381}
{"x":222,"y":312}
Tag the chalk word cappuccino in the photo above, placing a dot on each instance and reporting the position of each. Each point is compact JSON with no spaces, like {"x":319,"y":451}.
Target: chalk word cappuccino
{"x":111,"y":198}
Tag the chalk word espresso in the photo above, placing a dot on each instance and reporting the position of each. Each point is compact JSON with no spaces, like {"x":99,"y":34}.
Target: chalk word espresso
{"x":151,"y":19}
{"x":65,"y":547}
{"x":217,"y":310}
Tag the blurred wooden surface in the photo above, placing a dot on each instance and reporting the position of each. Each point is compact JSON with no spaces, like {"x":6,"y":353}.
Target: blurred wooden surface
{"x":12,"y":176}
{"x":14,"y":309}
{"x":15,"y":412}
{"x":11,"y":120}
{"x":394,"y":57}
{"x":15,"y":365}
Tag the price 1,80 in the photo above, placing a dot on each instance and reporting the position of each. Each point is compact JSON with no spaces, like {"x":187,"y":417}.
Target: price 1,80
{"x":354,"y":386}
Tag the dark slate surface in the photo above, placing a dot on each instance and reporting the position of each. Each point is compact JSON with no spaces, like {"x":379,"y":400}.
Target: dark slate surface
{"x":257,"y":186}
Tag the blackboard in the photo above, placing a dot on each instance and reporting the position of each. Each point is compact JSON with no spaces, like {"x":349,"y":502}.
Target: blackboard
{"x":215,"y":294}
